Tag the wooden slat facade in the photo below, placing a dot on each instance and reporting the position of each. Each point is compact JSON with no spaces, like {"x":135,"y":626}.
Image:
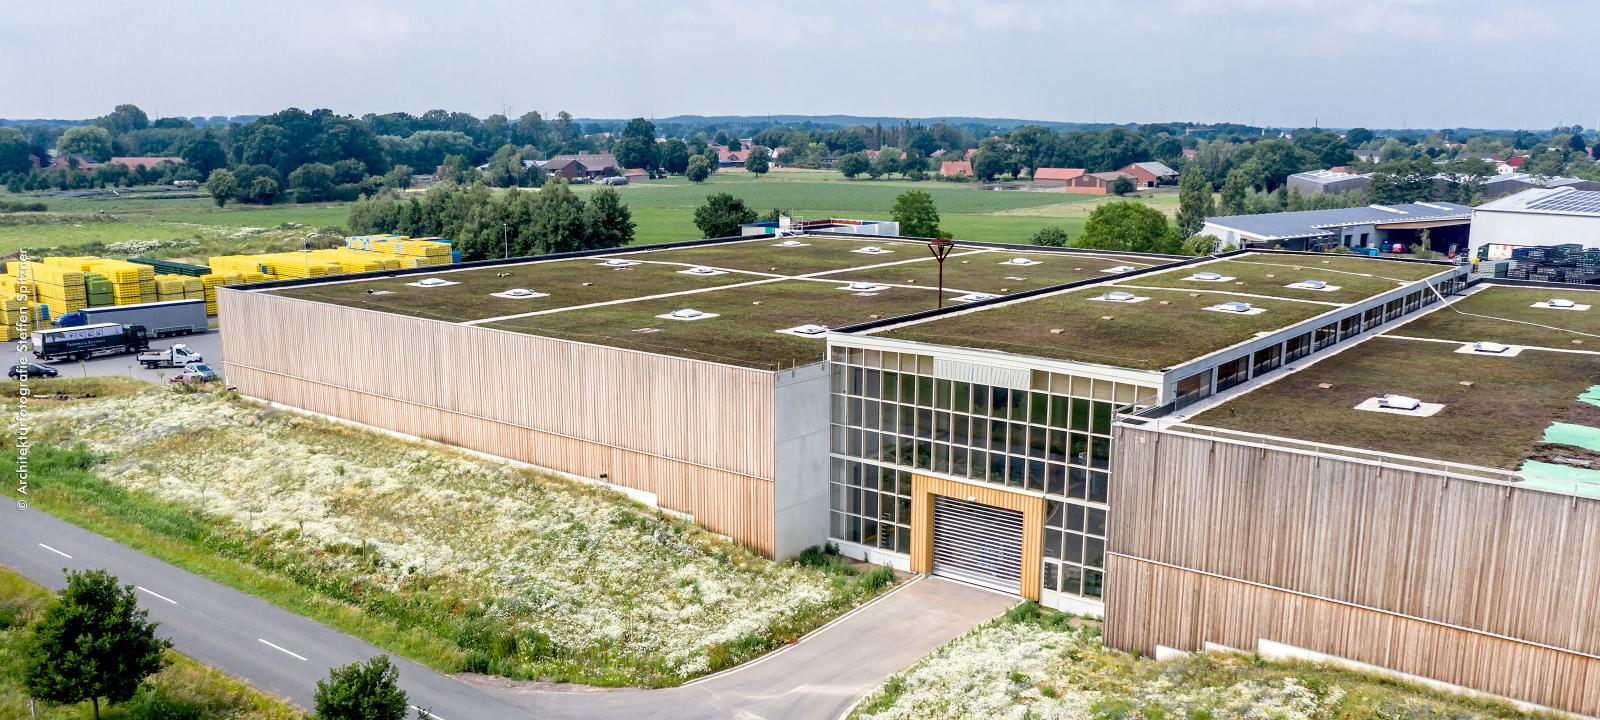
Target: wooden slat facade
{"x":698,"y":435}
{"x":1484,"y":585}
{"x":923,"y":490}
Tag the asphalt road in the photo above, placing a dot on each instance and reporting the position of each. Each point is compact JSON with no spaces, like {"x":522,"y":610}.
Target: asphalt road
{"x":209,"y":345}
{"x":817,"y":678}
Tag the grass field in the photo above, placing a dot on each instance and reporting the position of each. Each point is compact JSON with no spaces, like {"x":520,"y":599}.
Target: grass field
{"x":189,"y":226}
{"x":185,"y":689}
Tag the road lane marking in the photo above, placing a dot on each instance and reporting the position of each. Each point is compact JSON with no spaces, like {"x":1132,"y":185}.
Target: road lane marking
{"x":428,"y":713}
{"x":58,"y":552}
{"x":157,"y":595}
{"x":279,"y":648}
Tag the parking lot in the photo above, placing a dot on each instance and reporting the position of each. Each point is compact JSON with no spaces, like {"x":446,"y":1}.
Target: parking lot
{"x":209,"y":345}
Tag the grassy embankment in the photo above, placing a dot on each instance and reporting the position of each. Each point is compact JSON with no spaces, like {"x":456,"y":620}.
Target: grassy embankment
{"x":185,"y":689}
{"x":1037,"y":663}
{"x":460,"y":563}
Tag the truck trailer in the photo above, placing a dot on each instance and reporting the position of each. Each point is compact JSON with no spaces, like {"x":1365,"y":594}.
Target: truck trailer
{"x":84,"y":341}
{"x":160,"y":319}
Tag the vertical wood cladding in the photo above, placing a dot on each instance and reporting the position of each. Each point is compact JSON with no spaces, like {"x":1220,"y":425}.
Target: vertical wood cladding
{"x":1405,"y":569}
{"x":698,"y":435}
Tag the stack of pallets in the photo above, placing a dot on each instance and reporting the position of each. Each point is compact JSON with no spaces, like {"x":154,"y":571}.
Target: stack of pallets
{"x":58,"y":288}
{"x":98,"y":289}
{"x":131,"y":283}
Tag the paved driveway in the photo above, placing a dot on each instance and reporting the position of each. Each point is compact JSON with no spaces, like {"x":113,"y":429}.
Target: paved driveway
{"x":209,"y":345}
{"x":814,"y":679}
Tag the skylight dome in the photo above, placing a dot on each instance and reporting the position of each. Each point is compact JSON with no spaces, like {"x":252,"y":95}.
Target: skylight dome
{"x":1235,"y":306}
{"x":518,"y":292}
{"x":1020,"y":261}
{"x":1121,"y":269}
{"x":687,"y":314}
{"x":1118,"y":296}
{"x":702,"y":270}
{"x":1399,"y":402}
{"x":809,"y":329}
{"x":619,"y":262}
{"x":975,"y":297}
{"x":1560,"y":303}
{"x":1314,"y":284}
{"x":1485,"y":346}
{"x":433,"y":282}
{"x":1206,"y":276}
{"x":863,"y":286}
{"x":790,"y":243}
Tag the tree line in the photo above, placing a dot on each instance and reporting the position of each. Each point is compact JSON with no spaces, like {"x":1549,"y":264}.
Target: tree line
{"x":485,"y":224}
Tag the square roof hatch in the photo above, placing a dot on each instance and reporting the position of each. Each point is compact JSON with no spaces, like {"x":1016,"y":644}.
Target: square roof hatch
{"x":1560,"y":303}
{"x":1484,"y":346}
{"x":519,"y":294}
{"x":807,"y":330}
{"x":686,"y":314}
{"x":1399,"y":402}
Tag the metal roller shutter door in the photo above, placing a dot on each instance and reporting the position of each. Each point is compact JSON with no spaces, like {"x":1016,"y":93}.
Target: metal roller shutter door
{"x":977,"y":544}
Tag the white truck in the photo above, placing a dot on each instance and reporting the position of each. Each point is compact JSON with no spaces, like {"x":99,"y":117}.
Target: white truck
{"x":176,"y":356}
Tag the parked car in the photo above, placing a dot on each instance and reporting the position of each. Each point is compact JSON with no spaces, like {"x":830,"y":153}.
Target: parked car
{"x":32,"y":370}
{"x":195,"y":372}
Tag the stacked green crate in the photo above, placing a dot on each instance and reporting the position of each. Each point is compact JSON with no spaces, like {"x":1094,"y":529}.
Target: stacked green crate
{"x":99,"y":289}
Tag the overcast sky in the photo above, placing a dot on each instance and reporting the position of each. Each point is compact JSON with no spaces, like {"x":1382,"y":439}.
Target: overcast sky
{"x":1388,"y":63}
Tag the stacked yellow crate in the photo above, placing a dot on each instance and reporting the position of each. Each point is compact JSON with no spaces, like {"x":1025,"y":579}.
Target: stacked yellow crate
{"x":79,"y":262}
{"x":353,"y":261}
{"x":131,"y":283}
{"x":240,"y":265}
{"x":209,"y":284}
{"x":58,"y":288}
{"x":169,"y":287}
{"x":297,"y":265}
{"x":12,"y":312}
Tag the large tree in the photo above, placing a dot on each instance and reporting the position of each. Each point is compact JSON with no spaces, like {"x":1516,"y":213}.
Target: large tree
{"x":722,"y":215}
{"x":674,"y":156}
{"x":14,"y":151}
{"x":93,"y":642}
{"x":1195,"y":203}
{"x":89,"y":140}
{"x":758,"y":162}
{"x":222,"y":185}
{"x":1233,"y":193}
{"x":853,"y":164}
{"x":698,"y":169}
{"x":124,"y":119}
{"x":362,"y":691}
{"x":205,"y":154}
{"x":637,"y":146}
{"x":608,"y":220}
{"x":1128,"y":225}
{"x":915,"y":211}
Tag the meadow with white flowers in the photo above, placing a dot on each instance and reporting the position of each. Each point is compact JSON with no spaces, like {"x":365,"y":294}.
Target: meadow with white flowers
{"x":529,"y":575}
{"x":1036,"y":664}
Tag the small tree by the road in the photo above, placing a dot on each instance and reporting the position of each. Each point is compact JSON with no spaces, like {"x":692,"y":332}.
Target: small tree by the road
{"x":223,"y":186}
{"x":759,"y":161}
{"x":698,"y":169}
{"x":93,"y":642}
{"x":722,"y":215}
{"x":362,"y":691}
{"x":918,"y":217}
{"x":1050,"y":236}
{"x":1122,"y":186}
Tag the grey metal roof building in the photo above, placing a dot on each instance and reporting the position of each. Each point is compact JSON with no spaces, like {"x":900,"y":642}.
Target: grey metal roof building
{"x":1367,"y":227}
{"x":1328,"y":181}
